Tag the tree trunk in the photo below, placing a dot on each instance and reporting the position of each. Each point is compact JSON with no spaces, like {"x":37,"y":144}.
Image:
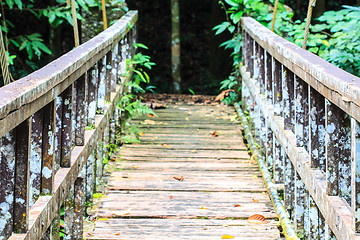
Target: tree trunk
{"x":175,"y":45}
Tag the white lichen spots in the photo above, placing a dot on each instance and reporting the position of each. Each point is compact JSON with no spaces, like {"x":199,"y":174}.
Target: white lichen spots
{"x":330,"y":128}
{"x":20,"y":200}
{"x":357,"y":214}
{"x":92,"y":109}
{"x":35,"y":171}
{"x":47,"y":172}
{"x":315,"y":153}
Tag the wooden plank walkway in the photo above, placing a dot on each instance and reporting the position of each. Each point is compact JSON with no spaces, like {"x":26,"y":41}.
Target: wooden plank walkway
{"x":221,"y":185}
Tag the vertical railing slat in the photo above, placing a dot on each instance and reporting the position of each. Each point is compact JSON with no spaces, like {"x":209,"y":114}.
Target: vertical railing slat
{"x":22,"y":178}
{"x":338,"y":127}
{"x":36,"y":156}
{"x":7,"y":172}
{"x":108,"y":76}
{"x":58,"y":132}
{"x":47,"y":180}
{"x":317,"y":130}
{"x":80,"y":91}
{"x":355,"y":173}
{"x":101,"y":85}
{"x":79,"y":192}
{"x":69,"y":212}
{"x":66,"y":129}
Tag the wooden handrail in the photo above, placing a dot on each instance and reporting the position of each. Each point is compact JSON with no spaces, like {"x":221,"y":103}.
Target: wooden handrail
{"x":47,"y":157}
{"x":305,"y":113}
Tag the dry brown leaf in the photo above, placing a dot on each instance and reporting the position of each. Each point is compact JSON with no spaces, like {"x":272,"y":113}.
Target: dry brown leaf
{"x":257,"y":219}
{"x":223,"y":95}
{"x":113,"y":159}
{"x":151,"y":115}
{"x":203,"y":208}
{"x":179,"y":178}
{"x":142,"y":134}
{"x":227,"y":237}
{"x":166,"y":145}
{"x":214,"y":134}
{"x":237,"y":205}
{"x":151,"y":122}
{"x":255,"y":200}
{"x":90,"y":234}
{"x":171,"y":197}
{"x":136,"y":166}
{"x":193,"y":151}
{"x":117,"y":234}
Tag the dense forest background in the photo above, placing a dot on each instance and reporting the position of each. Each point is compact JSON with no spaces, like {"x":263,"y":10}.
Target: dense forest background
{"x":203,"y":64}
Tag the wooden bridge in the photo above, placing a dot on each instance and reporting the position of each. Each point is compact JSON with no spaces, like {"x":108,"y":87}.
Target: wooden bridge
{"x":299,"y":115}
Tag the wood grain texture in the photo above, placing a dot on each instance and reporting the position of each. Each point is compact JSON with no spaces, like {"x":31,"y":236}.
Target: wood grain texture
{"x":221,"y":185}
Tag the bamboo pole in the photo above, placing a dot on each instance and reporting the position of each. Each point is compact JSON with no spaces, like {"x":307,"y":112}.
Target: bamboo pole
{"x":75,"y":25}
{"x":104,"y":14}
{"x":274,"y":16}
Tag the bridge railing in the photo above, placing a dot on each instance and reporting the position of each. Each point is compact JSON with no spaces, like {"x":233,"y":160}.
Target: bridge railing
{"x":305,"y":114}
{"x":55,"y":125}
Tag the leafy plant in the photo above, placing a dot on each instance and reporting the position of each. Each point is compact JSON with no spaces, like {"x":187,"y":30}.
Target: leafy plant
{"x":130,"y":103}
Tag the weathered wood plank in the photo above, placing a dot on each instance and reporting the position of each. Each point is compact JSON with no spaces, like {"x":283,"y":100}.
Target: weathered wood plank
{"x":182,"y":229}
{"x":219,"y":181}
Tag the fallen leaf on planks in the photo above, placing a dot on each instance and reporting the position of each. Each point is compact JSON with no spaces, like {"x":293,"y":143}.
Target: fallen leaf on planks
{"x":151,"y":115}
{"x":179,"y":178}
{"x":255,"y":200}
{"x":257,"y":219}
{"x":227,"y":237}
{"x":166,"y":145}
{"x":214,"y":134}
{"x":237,"y":205}
{"x":117,"y":234}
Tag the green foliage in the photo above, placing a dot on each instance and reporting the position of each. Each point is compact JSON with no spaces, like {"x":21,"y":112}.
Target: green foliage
{"x":335,"y":36}
{"x":33,"y":45}
{"x":231,"y":99}
{"x":22,"y":49}
{"x":228,"y":83}
{"x":130,"y":104}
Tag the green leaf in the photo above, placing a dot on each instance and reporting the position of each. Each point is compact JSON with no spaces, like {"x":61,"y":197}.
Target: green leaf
{"x":10,"y":3}
{"x":237,"y":16}
{"x":52,"y":17}
{"x":233,"y":3}
{"x":23,"y":45}
{"x":30,"y":51}
{"x":140,"y":45}
{"x":221,"y":27}
{"x":44,"y":48}
{"x":19,"y":4}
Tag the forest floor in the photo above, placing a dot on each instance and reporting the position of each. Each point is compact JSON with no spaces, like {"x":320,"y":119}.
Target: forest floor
{"x":190,"y":178}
